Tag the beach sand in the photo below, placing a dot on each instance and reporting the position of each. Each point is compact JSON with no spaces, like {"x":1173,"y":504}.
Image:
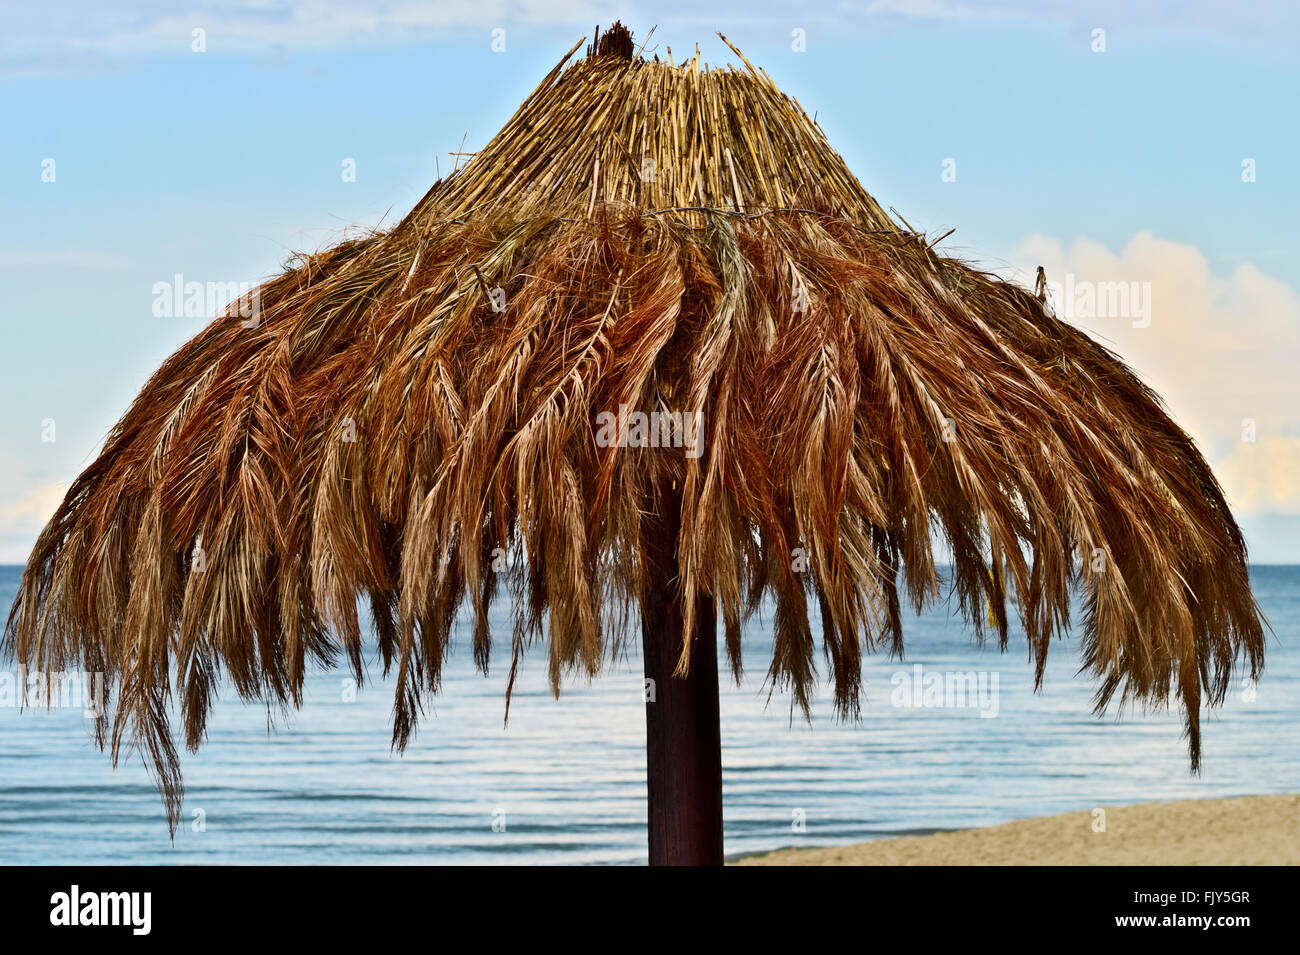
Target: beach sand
{"x":1249,"y":830}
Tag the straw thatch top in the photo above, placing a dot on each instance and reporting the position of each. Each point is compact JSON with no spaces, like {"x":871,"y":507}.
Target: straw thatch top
{"x":416,"y":411}
{"x":614,"y":128}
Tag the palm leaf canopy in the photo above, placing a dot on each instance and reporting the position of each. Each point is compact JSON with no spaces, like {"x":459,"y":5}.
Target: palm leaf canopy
{"x":413,"y":417}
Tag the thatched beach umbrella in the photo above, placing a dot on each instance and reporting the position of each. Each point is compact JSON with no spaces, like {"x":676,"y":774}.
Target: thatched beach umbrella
{"x":655,"y":348}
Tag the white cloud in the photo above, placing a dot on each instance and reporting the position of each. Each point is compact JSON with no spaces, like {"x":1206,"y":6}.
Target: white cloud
{"x":68,"y":258}
{"x":50,"y":36}
{"x":32,"y":508}
{"x":23,"y":516}
{"x":317,"y":23}
{"x":53,"y":34}
{"x":1222,"y":350}
{"x":1264,"y":477}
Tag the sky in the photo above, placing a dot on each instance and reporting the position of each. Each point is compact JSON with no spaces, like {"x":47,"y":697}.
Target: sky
{"x":1161,"y":152}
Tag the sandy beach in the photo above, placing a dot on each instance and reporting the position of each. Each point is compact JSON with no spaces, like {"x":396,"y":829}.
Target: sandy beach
{"x":1249,"y":830}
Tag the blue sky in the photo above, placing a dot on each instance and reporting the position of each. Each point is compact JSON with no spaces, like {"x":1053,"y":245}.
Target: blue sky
{"x":1117,"y":165}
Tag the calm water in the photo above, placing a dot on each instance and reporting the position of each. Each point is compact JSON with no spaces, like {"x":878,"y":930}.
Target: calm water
{"x":569,"y":775}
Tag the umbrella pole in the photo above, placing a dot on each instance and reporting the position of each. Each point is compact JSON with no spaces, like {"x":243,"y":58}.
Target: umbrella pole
{"x":683,"y":737}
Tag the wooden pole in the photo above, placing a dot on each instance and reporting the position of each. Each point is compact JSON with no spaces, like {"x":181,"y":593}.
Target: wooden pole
{"x":683,"y":737}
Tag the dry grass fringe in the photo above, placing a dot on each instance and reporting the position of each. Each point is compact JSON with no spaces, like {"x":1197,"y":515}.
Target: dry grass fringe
{"x":824,"y":430}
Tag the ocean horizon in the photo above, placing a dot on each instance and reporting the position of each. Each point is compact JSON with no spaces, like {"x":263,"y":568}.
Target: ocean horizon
{"x":962,"y":742}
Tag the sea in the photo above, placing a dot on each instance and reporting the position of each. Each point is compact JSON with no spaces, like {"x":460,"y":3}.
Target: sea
{"x":962,"y":741}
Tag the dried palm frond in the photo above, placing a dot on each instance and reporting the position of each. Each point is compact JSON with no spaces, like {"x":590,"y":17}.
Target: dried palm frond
{"x":665,"y":238}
